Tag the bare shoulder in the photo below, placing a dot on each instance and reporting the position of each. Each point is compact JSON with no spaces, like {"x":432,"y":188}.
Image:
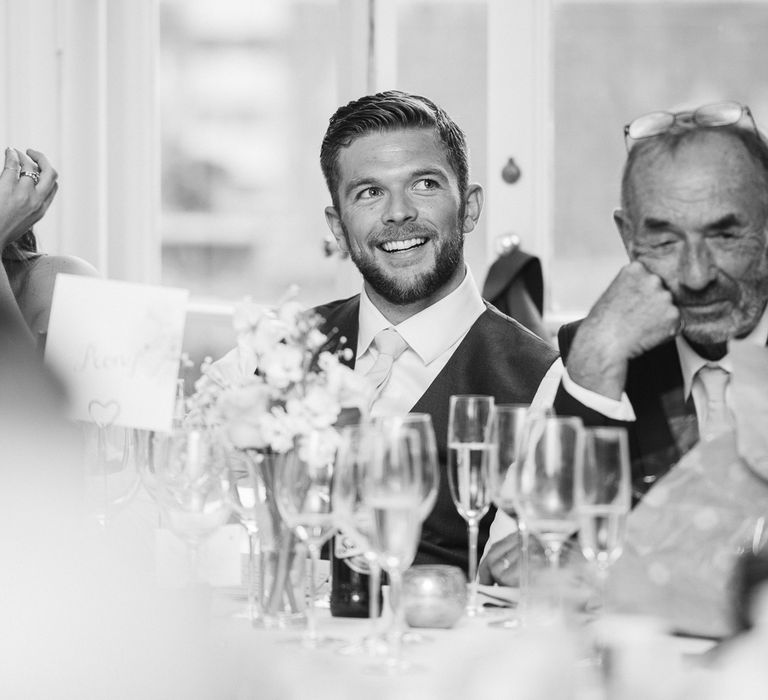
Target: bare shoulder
{"x":36,"y":293}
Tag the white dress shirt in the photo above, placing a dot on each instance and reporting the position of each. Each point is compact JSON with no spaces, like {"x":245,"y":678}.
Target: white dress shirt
{"x":432,"y":336}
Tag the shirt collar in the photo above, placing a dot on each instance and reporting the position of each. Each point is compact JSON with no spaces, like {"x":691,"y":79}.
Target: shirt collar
{"x":691,"y":362}
{"x":431,"y":331}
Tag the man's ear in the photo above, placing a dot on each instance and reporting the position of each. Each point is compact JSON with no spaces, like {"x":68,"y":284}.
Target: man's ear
{"x":333,"y":219}
{"x":473,"y":201}
{"x":624,"y":228}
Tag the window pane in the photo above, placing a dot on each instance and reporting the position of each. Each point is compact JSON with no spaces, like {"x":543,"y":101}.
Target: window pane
{"x":612,"y":62}
{"x":442,"y":54}
{"x":246,"y":91}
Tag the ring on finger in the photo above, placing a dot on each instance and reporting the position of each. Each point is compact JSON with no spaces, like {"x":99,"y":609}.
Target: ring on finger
{"x":505,"y":563}
{"x":31,"y":174}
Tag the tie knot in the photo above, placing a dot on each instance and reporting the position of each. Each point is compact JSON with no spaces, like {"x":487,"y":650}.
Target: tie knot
{"x":717,"y":419}
{"x":390,"y":342}
{"x":714,"y":379}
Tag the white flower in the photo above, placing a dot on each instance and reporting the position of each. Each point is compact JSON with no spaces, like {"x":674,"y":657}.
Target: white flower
{"x":283,"y":365}
{"x":277,"y":386}
{"x":320,"y":447}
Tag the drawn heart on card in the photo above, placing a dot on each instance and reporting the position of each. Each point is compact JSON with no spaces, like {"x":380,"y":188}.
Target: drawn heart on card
{"x":103,"y":414}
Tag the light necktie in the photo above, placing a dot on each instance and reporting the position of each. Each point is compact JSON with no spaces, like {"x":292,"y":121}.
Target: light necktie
{"x":718,"y":419}
{"x":390,"y":345}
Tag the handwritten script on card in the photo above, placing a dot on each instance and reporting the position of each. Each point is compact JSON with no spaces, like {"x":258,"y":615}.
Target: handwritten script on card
{"x":117,"y":346}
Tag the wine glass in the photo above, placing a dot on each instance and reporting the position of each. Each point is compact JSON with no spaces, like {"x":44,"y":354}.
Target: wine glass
{"x":188,"y":476}
{"x":471,"y":454}
{"x":354,"y":519}
{"x":113,"y":456}
{"x":544,"y":483}
{"x":243,"y":492}
{"x":303,"y":494}
{"x":393,"y":491}
{"x":512,"y":423}
{"x":421,"y":423}
{"x":603,"y":498}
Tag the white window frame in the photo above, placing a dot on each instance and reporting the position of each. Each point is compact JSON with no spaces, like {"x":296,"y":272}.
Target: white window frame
{"x":78,"y":81}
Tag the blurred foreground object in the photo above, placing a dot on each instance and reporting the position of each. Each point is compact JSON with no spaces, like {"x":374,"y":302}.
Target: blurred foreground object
{"x":685,"y":537}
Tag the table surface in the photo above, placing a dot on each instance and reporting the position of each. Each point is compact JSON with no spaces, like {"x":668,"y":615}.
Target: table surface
{"x":471,"y":660}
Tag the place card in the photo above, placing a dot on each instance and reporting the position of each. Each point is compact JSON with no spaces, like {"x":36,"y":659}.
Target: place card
{"x":117,"y":346}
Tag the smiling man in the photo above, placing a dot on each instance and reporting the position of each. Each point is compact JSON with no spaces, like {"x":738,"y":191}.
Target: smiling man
{"x":397,"y":171}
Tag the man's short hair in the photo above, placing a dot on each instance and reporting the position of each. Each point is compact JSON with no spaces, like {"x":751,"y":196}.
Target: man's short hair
{"x":670,"y":141}
{"x":387,"y":111}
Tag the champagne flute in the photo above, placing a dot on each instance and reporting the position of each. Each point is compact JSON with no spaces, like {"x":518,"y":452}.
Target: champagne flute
{"x":393,"y":491}
{"x":545,"y":482}
{"x":512,"y":423}
{"x":303,"y":494}
{"x":354,"y":519}
{"x":471,"y":453}
{"x":603,"y":498}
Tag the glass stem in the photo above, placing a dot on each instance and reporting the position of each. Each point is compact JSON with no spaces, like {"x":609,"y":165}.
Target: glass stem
{"x":374,"y":582}
{"x":314,"y":557}
{"x":398,"y":614}
{"x":525,"y":569}
{"x":473,"y":532}
{"x":193,"y":561}
{"x":602,"y":583}
{"x":251,"y":576}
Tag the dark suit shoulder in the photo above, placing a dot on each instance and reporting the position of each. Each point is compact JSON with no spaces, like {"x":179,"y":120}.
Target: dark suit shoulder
{"x":498,"y":323}
{"x":340,"y":324}
{"x":501,"y":349}
{"x":565,"y":337}
{"x":337,"y":306}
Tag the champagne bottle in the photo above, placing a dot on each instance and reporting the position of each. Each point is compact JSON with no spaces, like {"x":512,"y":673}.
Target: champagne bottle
{"x":350,"y":582}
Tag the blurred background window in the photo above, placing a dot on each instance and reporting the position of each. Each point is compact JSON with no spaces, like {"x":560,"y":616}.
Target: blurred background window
{"x":613,"y":60}
{"x":245,"y":89}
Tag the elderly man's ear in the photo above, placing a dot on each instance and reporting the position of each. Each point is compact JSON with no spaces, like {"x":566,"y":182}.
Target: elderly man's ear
{"x":625,"y":231}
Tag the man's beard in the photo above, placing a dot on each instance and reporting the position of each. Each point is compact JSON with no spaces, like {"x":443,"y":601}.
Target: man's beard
{"x":448,"y":257}
{"x":747,"y":305}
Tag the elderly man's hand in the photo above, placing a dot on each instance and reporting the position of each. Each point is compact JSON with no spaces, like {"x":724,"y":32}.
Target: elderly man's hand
{"x":501,"y":563}
{"x":27,"y":187}
{"x":636,"y":313}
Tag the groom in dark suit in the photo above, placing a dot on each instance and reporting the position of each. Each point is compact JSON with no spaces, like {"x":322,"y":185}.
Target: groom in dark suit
{"x":652,"y":354}
{"x":397,"y":172}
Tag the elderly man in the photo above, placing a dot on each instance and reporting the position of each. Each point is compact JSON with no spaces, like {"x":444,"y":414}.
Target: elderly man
{"x":652,"y":354}
{"x":397,"y":172}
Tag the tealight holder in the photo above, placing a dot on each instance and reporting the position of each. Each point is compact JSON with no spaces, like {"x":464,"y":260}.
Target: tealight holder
{"x":434,"y":595}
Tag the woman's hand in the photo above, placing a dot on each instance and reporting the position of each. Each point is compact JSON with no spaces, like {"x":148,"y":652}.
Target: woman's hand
{"x":27,"y":187}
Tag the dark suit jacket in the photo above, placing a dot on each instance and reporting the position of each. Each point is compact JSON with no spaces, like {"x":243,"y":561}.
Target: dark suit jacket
{"x":666,"y":426}
{"x":497,"y":357}
{"x":515,"y":286}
